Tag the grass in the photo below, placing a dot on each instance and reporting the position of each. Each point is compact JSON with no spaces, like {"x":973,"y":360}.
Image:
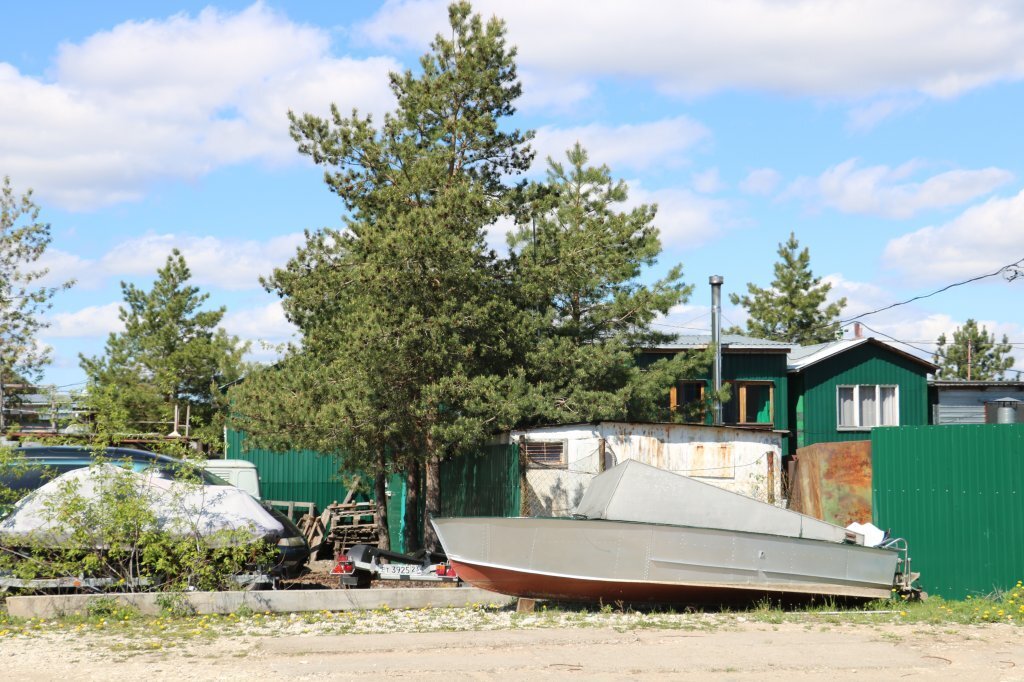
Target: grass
{"x":126,"y":633}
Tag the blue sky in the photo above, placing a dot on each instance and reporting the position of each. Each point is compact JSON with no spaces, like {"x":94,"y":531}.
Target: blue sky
{"x":885,"y":136}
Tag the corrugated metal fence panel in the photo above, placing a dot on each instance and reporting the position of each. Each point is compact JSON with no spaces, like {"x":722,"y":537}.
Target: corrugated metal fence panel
{"x":960,"y":414}
{"x":482,"y":484}
{"x":307,"y":476}
{"x":299,"y":475}
{"x":956,"y":493}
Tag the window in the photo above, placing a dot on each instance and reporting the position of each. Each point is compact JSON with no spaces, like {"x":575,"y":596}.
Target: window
{"x":867,"y":405}
{"x":545,"y":453}
{"x":752,"y":404}
{"x":688,"y":397}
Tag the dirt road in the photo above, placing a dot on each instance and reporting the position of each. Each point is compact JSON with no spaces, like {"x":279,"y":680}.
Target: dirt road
{"x":732,"y":650}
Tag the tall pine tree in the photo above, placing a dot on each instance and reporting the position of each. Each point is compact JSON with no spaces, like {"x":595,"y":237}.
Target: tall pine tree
{"x":577,"y":261}
{"x":793,"y":308}
{"x":171,"y":354}
{"x":407,"y":320}
{"x":973,"y":354}
{"x":23,"y":299}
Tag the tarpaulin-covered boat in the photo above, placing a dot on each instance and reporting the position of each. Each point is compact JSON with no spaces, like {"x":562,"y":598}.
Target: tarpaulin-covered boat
{"x":642,"y":534}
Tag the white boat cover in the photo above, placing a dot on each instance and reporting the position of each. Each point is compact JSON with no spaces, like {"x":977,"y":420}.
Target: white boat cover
{"x":634,"y":491}
{"x":181,"y":508}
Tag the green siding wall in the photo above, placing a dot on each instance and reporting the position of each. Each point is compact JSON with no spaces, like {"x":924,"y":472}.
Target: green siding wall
{"x":482,"y":484}
{"x":749,"y":367}
{"x":956,"y":494}
{"x":307,"y":476}
{"x":815,"y":391}
{"x":762,"y":367}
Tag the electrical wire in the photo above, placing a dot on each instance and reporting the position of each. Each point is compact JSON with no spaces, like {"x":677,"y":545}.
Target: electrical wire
{"x":1016,"y":267}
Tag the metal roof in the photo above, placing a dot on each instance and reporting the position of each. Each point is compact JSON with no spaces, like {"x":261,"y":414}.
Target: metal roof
{"x":975,"y":384}
{"x":729,"y":342}
{"x":802,"y":357}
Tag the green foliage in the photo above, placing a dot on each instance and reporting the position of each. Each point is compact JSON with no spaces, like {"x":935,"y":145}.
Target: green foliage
{"x":171,"y":352}
{"x":110,"y":607}
{"x":972,"y":354}
{"x":407,"y":353}
{"x":576,"y":263}
{"x":113,"y":531}
{"x":793,"y":308}
{"x":23,"y":301}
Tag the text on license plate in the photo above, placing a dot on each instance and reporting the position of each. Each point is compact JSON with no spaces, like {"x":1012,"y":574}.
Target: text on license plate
{"x":400,"y":569}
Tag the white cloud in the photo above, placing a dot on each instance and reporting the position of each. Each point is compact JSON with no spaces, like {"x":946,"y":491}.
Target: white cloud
{"x":864,"y":118}
{"x":707,"y":182}
{"x":911,"y":323}
{"x":685,"y":219}
{"x":980,"y":240}
{"x":231,"y":264}
{"x":761,"y":181}
{"x":635,"y":146}
{"x":845,"y":48}
{"x":95,"y":321}
{"x":264,"y":323}
{"x":173,"y":99}
{"x":890,"y":192}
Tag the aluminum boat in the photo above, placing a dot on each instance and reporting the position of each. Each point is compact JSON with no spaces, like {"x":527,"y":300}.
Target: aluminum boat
{"x":642,"y":534}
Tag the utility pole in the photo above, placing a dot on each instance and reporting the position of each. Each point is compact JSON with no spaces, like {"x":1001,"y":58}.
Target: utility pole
{"x":969,"y":344}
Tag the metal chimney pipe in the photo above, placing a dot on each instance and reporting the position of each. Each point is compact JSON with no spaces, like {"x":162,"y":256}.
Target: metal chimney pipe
{"x":716,"y":341}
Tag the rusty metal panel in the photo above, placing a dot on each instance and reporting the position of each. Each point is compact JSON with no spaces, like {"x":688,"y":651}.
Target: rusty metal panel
{"x":832,"y":482}
{"x":956,"y":493}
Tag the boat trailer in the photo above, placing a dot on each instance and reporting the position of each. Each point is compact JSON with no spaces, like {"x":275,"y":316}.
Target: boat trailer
{"x":362,"y":564}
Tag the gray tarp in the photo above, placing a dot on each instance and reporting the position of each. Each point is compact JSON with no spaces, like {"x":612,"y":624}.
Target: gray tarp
{"x":180,"y":508}
{"x":633,"y":491}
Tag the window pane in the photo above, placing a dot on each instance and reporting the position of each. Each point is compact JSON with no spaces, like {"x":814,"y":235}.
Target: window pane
{"x":846,"y":416}
{"x":890,"y":415}
{"x":868,"y":405}
{"x":758,"y":408}
{"x":690,"y":392}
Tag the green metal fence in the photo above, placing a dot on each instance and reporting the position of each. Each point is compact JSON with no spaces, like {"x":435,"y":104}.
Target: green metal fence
{"x":307,"y":476}
{"x":485,"y":483}
{"x":956,"y":493}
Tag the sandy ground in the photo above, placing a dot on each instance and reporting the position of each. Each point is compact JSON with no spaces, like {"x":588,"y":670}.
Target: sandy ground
{"x":732,"y":650}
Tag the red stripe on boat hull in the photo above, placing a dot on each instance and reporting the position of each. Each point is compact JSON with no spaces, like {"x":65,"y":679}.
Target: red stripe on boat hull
{"x":540,"y":586}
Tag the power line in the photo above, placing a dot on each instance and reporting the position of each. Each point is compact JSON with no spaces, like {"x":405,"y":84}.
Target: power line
{"x":935,"y":354}
{"x":1013,"y":270}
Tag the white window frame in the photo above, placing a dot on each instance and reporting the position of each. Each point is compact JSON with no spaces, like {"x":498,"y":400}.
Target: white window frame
{"x":857,"y":426}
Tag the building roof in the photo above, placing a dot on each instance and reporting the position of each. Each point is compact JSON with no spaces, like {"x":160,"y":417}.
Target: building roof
{"x":729,"y":342}
{"x":964,"y":385}
{"x":802,"y":357}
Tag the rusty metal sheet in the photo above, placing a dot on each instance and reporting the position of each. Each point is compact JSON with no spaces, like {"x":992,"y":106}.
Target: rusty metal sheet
{"x":832,"y":482}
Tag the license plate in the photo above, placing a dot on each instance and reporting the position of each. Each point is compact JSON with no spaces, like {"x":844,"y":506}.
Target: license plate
{"x":400,"y":569}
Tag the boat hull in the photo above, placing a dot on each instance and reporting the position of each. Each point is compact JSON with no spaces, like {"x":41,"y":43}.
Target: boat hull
{"x":600,"y":560}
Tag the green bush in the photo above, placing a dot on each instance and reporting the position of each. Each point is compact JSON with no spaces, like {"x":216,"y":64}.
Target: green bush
{"x":114,"y":534}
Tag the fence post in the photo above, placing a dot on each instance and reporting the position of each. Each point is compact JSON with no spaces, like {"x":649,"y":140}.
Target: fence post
{"x":524,"y":492}
{"x":600,"y":455}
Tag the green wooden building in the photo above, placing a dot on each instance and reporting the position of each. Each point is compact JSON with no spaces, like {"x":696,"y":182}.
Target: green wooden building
{"x":756,"y":371}
{"x":839,"y":391}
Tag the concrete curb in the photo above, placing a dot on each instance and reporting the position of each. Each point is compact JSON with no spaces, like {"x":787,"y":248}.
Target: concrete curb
{"x":274,"y":601}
